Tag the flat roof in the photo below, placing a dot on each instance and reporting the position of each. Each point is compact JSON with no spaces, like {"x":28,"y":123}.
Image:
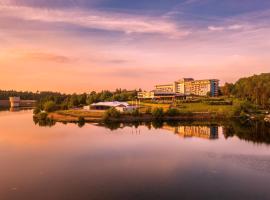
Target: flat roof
{"x":111,"y":104}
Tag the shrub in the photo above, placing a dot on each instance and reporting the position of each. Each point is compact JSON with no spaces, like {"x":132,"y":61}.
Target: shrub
{"x":248,"y":107}
{"x":158,"y":113}
{"x":172,"y":112}
{"x":111,"y":113}
{"x":42,"y":116}
{"x":64,"y":106}
{"x":37,"y":110}
{"x":50,"y":106}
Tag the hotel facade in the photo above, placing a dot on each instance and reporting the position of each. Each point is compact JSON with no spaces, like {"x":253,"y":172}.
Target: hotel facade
{"x":182,"y":88}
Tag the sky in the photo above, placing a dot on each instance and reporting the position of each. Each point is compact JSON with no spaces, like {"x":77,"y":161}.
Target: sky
{"x":84,"y":45}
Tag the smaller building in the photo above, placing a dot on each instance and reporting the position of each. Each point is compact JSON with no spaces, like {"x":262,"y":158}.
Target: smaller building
{"x":120,"y":106}
{"x":14,"y":101}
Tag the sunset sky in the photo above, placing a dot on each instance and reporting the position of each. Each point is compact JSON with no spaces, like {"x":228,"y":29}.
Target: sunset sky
{"x":84,"y":45}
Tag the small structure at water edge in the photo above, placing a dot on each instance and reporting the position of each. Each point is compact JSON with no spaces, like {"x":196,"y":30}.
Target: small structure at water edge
{"x":14,"y":102}
{"x":120,"y":106}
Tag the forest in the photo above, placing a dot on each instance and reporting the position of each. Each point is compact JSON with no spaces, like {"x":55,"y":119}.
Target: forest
{"x":255,"y":89}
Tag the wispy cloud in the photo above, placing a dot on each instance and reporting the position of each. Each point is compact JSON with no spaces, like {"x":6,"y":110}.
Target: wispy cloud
{"x":35,"y":55}
{"x":224,"y":28}
{"x":125,"y":23}
{"x":216,"y":28}
{"x":50,"y":57}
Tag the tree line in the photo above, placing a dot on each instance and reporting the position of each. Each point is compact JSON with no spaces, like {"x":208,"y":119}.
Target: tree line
{"x":26,"y":95}
{"x":255,"y":89}
{"x":54,"y":102}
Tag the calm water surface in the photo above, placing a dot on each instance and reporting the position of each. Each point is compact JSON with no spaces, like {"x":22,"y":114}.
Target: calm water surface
{"x":65,"y":162}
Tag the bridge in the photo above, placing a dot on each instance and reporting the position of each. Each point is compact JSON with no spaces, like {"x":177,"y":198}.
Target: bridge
{"x":15,"y":102}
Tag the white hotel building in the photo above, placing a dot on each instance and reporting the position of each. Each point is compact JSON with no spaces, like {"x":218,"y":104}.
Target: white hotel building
{"x":183,"y":87}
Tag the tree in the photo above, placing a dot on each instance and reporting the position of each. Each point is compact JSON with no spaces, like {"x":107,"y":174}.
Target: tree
{"x":255,"y":89}
{"x":227,"y":89}
{"x":50,"y":106}
{"x":111,"y":113}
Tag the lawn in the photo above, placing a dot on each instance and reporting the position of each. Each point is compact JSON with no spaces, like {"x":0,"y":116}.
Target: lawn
{"x":193,"y":107}
{"x":203,"y":107}
{"x":82,"y":113}
{"x":144,"y":106}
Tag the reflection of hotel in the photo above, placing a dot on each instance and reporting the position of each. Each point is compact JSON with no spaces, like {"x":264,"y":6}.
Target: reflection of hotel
{"x":183,"y":87}
{"x":207,"y":132}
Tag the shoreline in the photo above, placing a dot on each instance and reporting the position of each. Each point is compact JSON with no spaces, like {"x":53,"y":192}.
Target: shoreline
{"x":58,"y":117}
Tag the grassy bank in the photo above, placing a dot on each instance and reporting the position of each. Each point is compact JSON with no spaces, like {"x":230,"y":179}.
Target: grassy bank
{"x":75,"y":115}
{"x":149,"y":111}
{"x":194,"y":107}
{"x":94,"y":116}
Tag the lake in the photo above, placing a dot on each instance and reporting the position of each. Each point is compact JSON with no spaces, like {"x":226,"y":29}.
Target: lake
{"x":132,"y":161}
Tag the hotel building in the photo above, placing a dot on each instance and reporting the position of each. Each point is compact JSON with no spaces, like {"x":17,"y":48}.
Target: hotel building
{"x":183,"y":87}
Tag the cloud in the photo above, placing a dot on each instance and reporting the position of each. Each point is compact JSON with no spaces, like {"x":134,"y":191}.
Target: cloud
{"x":40,"y":56}
{"x":93,"y":19}
{"x":216,"y":28}
{"x":235,"y":27}
{"x":28,"y":55}
{"x":224,"y":28}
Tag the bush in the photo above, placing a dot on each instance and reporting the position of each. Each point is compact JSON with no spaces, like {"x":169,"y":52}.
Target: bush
{"x":50,"y":106}
{"x":42,"y":116}
{"x":172,"y":112}
{"x":248,"y":107}
{"x":158,"y":113}
{"x":42,"y":119}
{"x":111,"y":113}
{"x":37,"y":110}
{"x":64,"y":106}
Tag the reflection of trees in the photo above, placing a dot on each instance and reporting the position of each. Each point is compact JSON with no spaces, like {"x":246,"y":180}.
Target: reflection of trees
{"x":148,"y":125}
{"x":157,"y":124}
{"x":112,"y":125}
{"x":257,"y":132}
{"x":44,"y":122}
{"x":172,"y":123}
{"x":81,"y":124}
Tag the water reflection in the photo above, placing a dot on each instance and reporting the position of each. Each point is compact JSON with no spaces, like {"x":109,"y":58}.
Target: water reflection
{"x":207,"y":132}
{"x":160,"y":160}
{"x":44,"y":122}
{"x":257,"y":131}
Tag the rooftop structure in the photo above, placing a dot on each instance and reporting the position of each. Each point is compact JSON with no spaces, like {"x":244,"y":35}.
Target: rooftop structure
{"x":110,"y":104}
{"x":120,"y":106}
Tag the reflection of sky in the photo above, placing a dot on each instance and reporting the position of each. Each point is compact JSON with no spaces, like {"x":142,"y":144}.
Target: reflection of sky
{"x":71,"y":45}
{"x":94,"y":162}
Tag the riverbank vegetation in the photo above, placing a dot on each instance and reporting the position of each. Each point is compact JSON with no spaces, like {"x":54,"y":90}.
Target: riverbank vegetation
{"x":247,"y":98}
